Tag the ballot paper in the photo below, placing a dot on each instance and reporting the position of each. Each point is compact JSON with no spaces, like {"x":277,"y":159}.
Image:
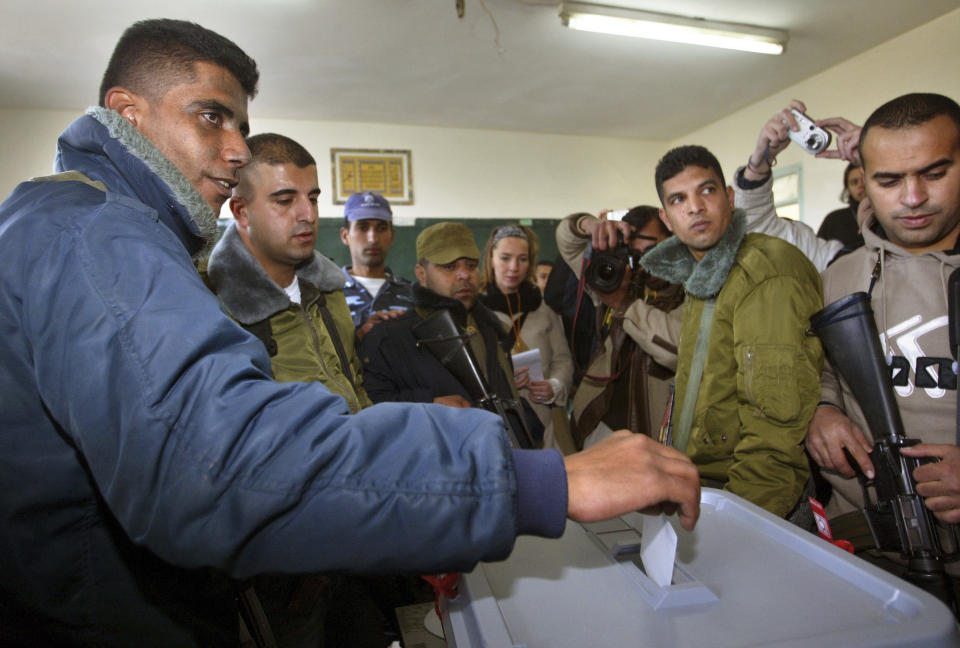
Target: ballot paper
{"x":658,"y":548}
{"x":530,"y":359}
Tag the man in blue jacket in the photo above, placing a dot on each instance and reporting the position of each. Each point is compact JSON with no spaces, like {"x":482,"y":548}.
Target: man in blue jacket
{"x":146,"y":457}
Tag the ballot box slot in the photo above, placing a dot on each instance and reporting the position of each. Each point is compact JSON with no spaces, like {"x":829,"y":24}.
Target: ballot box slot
{"x":620,"y":541}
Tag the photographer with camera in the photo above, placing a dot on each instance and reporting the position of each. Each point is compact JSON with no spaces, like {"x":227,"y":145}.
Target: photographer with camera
{"x":624,"y":387}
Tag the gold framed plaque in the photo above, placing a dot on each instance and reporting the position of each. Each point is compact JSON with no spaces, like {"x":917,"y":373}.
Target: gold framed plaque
{"x":385,"y":172}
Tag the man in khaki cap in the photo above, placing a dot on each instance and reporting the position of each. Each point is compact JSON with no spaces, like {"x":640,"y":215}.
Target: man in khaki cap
{"x":395,"y":369}
{"x":447,"y":262}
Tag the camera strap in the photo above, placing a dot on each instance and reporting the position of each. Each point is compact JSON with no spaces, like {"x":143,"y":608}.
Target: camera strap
{"x":685,"y":422}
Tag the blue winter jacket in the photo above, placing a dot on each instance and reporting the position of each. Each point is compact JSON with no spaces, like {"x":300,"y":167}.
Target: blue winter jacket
{"x":145,"y":454}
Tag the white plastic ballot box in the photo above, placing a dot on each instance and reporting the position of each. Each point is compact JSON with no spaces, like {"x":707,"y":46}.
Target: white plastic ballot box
{"x":743,"y":577}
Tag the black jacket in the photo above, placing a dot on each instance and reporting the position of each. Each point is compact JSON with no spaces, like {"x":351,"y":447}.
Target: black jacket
{"x":395,"y":369}
{"x":841,"y":225}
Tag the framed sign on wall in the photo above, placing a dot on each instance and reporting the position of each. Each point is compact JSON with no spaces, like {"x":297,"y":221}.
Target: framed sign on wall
{"x":386,"y":172}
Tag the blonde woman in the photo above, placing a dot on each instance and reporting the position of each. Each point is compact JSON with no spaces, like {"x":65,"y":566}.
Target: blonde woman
{"x":509,"y":261}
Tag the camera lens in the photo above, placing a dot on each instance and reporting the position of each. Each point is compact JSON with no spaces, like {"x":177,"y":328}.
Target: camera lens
{"x":606,"y":271}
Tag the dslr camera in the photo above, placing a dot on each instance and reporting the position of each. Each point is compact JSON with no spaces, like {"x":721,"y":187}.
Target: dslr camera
{"x":605,"y":268}
{"x":810,"y":137}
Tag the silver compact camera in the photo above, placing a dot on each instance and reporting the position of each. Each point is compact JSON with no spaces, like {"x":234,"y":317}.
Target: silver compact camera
{"x":617,"y":214}
{"x":810,"y":137}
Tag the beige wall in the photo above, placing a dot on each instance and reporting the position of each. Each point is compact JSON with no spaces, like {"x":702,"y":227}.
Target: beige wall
{"x":922,"y":60}
{"x":465,"y":173}
{"x":475,"y":174}
{"x":29,"y":144}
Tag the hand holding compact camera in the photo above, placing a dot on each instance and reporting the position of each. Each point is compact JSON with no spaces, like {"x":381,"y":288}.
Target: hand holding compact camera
{"x":810,"y":137}
{"x":815,"y":139}
{"x":776,"y":135}
{"x":847,"y":137}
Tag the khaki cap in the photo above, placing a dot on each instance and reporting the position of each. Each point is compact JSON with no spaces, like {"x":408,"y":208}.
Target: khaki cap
{"x":446,"y":242}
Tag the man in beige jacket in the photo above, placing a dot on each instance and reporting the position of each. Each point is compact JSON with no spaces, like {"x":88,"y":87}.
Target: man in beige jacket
{"x":910,"y":148}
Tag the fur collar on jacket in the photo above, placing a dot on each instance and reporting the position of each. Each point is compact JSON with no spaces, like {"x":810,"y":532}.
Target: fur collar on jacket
{"x":203,"y":220}
{"x":424,"y":298}
{"x":671,"y":260}
{"x":246,"y":289}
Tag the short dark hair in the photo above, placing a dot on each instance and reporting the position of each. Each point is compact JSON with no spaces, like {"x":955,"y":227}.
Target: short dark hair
{"x":545,"y":263}
{"x":911,"y":110}
{"x":271,"y":148}
{"x":641,"y":215}
{"x":677,"y":159}
{"x":152,"y":53}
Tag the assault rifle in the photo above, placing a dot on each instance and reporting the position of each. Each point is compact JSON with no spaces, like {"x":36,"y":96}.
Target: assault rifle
{"x":441,"y":336}
{"x":896,"y":515}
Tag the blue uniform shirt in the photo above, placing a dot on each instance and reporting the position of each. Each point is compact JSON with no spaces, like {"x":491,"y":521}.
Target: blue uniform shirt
{"x":396,"y":293}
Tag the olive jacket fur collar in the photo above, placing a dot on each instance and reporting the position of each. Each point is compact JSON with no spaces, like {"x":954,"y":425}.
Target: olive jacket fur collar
{"x":245,"y":288}
{"x":671,"y":260}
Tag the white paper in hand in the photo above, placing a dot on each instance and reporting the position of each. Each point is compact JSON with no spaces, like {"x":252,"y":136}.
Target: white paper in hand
{"x":529,"y":359}
{"x":658,"y":548}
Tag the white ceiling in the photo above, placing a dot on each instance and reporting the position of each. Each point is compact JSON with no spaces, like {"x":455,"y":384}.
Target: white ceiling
{"x":415,"y":62}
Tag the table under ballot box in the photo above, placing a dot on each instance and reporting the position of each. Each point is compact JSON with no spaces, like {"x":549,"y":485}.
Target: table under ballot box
{"x":743,"y":577}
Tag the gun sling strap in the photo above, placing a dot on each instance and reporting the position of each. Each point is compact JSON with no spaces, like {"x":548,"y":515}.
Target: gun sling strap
{"x":335,"y":338}
{"x":685,"y":420}
{"x":263,"y":331}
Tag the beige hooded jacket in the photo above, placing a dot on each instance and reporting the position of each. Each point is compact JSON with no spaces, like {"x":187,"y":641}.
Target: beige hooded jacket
{"x":909,"y":303}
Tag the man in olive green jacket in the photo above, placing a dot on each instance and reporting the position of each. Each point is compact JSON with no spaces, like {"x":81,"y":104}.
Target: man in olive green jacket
{"x":267,"y":274}
{"x":272,"y":282}
{"x":742,"y":408}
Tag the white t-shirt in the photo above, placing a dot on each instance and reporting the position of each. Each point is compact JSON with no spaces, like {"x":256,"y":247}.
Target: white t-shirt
{"x":293,"y":290}
{"x":372,"y":285}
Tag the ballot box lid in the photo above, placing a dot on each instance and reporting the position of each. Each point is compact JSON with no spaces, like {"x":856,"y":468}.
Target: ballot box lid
{"x":743,"y":577}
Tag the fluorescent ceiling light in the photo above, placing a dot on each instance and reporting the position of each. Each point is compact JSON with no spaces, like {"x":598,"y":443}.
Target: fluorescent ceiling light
{"x":678,"y":29}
